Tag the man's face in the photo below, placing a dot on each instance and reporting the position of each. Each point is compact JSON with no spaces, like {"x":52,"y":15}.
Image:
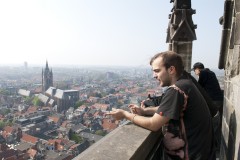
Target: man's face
{"x":160,"y":72}
{"x":197,"y":71}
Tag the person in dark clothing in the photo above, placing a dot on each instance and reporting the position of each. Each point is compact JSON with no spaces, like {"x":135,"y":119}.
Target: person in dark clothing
{"x":209,"y":82}
{"x":183,"y":113}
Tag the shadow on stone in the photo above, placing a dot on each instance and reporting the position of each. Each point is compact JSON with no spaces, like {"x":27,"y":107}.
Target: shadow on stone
{"x":232,"y":136}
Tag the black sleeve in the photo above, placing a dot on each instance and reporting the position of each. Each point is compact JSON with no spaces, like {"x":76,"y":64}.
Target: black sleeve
{"x":203,"y":78}
{"x":211,"y":106}
{"x":171,"y":104}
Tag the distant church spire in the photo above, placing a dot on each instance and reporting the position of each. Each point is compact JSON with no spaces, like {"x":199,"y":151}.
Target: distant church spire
{"x":47,"y":78}
{"x":46,"y":64}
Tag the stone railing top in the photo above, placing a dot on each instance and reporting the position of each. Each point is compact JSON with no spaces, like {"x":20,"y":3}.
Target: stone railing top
{"x":125,"y":142}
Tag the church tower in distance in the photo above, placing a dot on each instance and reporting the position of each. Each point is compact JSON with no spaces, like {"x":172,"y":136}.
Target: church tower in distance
{"x":47,"y":78}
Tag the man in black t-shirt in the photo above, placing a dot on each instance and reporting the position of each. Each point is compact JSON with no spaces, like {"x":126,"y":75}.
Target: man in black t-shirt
{"x":197,"y":119}
{"x":183,"y":113}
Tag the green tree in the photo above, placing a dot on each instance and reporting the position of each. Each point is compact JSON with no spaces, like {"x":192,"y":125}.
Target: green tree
{"x":2,"y":124}
{"x":112,"y":91}
{"x":7,"y":123}
{"x":70,"y":133}
{"x":100,"y":132}
{"x":97,"y":94}
{"x":28,"y":100}
{"x":37,"y":102}
{"x":4,"y":92}
{"x":74,"y":137}
{"x":78,"y":103}
{"x":119,"y":103}
{"x":140,"y":85}
{"x":5,"y":111}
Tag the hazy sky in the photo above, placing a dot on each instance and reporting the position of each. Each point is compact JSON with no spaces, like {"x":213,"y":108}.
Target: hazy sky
{"x":100,"y":32}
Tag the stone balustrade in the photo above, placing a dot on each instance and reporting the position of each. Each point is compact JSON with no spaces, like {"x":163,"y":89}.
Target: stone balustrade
{"x":128,"y":141}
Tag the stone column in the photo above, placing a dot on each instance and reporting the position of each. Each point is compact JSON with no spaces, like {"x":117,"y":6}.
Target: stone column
{"x":185,"y":50}
{"x":181,"y":31}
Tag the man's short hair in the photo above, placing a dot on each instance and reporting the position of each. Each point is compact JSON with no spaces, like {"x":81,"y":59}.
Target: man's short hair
{"x":198,"y":65}
{"x":169,"y":59}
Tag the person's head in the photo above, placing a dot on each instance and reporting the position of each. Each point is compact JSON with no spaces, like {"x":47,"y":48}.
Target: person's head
{"x":197,"y":67}
{"x":167,"y":67}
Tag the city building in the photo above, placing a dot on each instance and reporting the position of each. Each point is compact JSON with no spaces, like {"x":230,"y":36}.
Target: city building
{"x":47,"y":78}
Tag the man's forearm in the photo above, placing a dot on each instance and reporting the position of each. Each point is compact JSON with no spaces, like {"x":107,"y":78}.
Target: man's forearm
{"x":153,"y":123}
{"x":149,"y":111}
{"x":142,"y":121}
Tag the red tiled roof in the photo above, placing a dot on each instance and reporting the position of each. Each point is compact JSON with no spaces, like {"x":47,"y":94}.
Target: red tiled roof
{"x":92,"y":107}
{"x":57,"y":143}
{"x":134,"y":90}
{"x":51,"y":141}
{"x":74,"y":146}
{"x":29,"y":138}
{"x":46,"y":108}
{"x":32,"y":152}
{"x":109,"y":125}
{"x":32,"y":109}
{"x":55,"y":119}
{"x":8,"y":129}
{"x":82,"y":107}
{"x":64,"y":124}
{"x":4,"y":134}
{"x":99,"y":113}
{"x":9,"y":154}
{"x":76,"y":88}
{"x":101,"y":106}
{"x":38,"y":90}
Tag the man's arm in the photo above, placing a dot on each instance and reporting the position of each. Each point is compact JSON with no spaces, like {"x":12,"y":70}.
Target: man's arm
{"x":150,"y":111}
{"x":153,"y":123}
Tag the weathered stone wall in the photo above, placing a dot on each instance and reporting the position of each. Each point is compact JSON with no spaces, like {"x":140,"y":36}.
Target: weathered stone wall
{"x":185,"y":50}
{"x":230,"y":61}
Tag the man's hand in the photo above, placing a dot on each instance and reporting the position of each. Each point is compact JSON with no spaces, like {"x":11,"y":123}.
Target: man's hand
{"x":172,"y":143}
{"x":136,"y":109}
{"x":117,"y":114}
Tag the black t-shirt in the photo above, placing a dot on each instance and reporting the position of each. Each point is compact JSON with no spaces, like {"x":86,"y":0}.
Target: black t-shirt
{"x":197,"y":119}
{"x":208,"y":80}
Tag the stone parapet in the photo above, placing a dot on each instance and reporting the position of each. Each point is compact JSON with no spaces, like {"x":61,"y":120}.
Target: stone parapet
{"x":125,"y":142}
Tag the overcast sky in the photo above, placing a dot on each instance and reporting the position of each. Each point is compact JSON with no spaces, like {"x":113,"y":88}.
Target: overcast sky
{"x":100,"y":32}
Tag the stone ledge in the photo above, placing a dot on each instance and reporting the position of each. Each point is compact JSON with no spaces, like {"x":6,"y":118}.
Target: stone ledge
{"x":125,"y":142}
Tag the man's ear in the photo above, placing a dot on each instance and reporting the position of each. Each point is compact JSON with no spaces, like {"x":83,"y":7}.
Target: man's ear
{"x":171,"y":70}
